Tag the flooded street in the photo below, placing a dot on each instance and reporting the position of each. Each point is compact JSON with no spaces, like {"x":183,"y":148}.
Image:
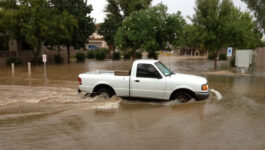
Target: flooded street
{"x":37,"y":114}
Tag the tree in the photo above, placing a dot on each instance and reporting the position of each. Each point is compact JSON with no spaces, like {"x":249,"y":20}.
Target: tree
{"x":43,"y":23}
{"x":10,"y":18}
{"x":81,"y":11}
{"x":258,"y":7}
{"x":220,"y":24}
{"x":63,"y":28}
{"x":116,"y":11}
{"x":189,"y":38}
{"x":7,"y":24}
{"x":150,"y":30}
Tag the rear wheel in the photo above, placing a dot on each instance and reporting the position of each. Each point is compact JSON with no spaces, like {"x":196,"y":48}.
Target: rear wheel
{"x":104,"y":93}
{"x":182,"y":97}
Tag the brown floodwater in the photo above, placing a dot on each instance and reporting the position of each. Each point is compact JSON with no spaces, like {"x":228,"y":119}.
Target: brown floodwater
{"x":37,"y":114}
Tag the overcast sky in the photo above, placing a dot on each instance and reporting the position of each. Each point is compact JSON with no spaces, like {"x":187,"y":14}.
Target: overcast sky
{"x":186,"y":7}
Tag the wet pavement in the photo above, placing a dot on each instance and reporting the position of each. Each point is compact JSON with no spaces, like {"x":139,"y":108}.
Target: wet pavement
{"x":38,"y":114}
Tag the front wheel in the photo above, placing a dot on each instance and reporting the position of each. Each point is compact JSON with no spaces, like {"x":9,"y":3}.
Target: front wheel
{"x":104,"y":93}
{"x":182,"y":97}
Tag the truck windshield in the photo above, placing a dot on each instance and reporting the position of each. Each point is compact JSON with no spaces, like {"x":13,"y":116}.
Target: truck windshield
{"x":163,"y":69}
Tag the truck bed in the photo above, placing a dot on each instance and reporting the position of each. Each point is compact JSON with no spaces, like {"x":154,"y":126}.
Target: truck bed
{"x":119,"y":81}
{"x":111,"y":73}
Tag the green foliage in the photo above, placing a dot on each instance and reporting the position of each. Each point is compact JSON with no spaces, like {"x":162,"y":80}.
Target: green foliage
{"x":150,"y":30}
{"x":9,"y":22}
{"x":4,"y":43}
{"x":44,"y":24}
{"x":54,"y":22}
{"x":258,"y":7}
{"x":153,"y":55}
{"x":81,"y":12}
{"x":100,"y":54}
{"x":91,"y":54}
{"x":211,"y":56}
{"x":233,"y":61}
{"x":109,"y":28}
{"x":219,"y":24}
{"x":127,"y":55}
{"x":58,"y":59}
{"x":116,"y":56}
{"x":14,"y":60}
{"x":105,"y":50}
{"x":128,"y":6}
{"x":222,"y":56}
{"x":116,"y":11}
{"x":80,"y":56}
{"x":138,"y":55}
{"x":64,"y":27}
{"x":190,"y":39}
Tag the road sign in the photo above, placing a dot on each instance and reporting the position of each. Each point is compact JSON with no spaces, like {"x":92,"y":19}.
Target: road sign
{"x":229,"y":51}
{"x":44,"y":58}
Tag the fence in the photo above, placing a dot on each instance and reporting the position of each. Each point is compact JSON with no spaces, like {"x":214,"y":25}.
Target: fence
{"x":260,"y":58}
{"x":7,"y":54}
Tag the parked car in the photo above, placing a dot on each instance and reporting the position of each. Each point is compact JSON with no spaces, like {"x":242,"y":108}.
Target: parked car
{"x":147,"y":79}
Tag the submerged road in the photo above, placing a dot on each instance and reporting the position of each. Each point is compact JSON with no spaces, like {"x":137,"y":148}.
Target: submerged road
{"x":51,"y":115}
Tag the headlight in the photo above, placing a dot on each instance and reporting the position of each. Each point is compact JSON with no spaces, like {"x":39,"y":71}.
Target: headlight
{"x":205,"y":87}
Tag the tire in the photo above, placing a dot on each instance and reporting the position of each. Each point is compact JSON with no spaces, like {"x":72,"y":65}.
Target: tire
{"x":104,"y":93}
{"x":182,"y":97}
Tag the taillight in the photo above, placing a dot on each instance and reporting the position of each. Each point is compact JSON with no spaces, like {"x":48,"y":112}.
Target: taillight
{"x":79,"y":81}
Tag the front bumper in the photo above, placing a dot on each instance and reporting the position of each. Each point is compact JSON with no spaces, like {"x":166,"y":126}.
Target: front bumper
{"x":202,"y":95}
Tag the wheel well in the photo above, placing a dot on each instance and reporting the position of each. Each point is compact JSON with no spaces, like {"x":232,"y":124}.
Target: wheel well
{"x":103,"y":86}
{"x":191,"y":93}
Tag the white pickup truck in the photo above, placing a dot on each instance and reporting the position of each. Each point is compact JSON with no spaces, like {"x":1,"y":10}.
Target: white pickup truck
{"x":148,"y":79}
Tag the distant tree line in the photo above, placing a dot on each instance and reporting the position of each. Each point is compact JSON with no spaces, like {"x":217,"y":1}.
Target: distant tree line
{"x":134,"y":25}
{"x":219,"y":24}
{"x":48,"y":22}
{"x":216,"y":24}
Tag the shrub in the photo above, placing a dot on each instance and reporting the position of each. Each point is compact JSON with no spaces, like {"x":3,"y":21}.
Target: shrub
{"x":127,"y":55}
{"x":91,"y":54}
{"x":211,"y":56}
{"x":100,"y":54}
{"x":80,"y":56}
{"x":39,"y":61}
{"x":58,"y":59}
{"x":105,"y":50}
{"x":138,"y":55}
{"x":153,"y":55}
{"x":222,"y":56}
{"x":14,"y":60}
{"x":233,"y":61}
{"x":116,"y":56}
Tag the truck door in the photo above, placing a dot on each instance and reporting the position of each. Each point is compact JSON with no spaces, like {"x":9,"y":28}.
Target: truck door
{"x":147,"y":83}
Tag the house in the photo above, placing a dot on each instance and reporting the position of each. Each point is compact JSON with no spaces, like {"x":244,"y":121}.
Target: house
{"x":96,"y":41}
{"x":23,"y":51}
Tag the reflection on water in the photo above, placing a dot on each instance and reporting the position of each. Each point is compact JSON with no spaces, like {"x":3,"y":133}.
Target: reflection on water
{"x":35,"y":114}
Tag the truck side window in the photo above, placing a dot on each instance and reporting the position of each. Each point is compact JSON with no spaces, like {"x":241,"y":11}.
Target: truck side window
{"x":147,"y":71}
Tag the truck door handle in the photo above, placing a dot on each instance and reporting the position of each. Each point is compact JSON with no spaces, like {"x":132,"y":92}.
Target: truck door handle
{"x":136,"y":80}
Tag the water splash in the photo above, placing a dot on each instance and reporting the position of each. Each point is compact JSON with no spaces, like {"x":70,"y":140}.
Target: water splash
{"x":218,"y":94}
{"x":106,"y":104}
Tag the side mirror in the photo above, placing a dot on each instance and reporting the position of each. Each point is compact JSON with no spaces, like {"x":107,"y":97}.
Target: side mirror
{"x":158,"y":76}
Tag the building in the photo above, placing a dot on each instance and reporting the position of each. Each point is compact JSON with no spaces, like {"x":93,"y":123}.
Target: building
{"x":96,"y":41}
